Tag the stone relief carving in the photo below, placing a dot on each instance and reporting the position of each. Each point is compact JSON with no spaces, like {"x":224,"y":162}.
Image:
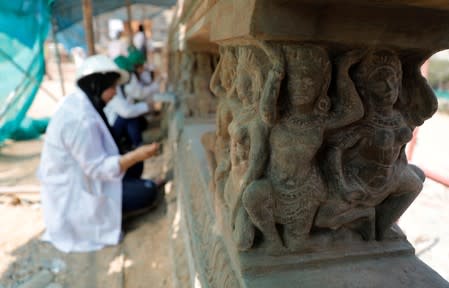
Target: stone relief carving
{"x":248,"y":142}
{"x":222,"y":85}
{"x":300,"y":155}
{"x":202,"y":101}
{"x":366,"y":165}
{"x":208,"y":140}
{"x":417,"y":102}
{"x":185,"y":82}
{"x":194,"y":76}
{"x":293,"y":190}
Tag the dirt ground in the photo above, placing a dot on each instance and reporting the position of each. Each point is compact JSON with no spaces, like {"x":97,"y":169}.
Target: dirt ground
{"x":142,"y":259}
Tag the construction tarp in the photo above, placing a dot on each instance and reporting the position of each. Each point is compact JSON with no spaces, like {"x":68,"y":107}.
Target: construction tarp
{"x":73,"y":35}
{"x":23,"y":28}
{"x":69,"y":12}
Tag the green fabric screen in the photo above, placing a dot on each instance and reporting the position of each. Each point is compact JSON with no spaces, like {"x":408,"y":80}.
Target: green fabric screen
{"x":23,"y":28}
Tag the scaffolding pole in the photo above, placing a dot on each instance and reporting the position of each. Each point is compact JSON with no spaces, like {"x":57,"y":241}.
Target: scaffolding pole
{"x":128,"y":12}
{"x":58,"y":55}
{"x":88,"y":26}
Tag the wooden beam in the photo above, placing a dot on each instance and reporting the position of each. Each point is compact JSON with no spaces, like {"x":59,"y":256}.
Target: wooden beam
{"x":88,"y":26}
{"x":58,"y":55}
{"x":128,"y":11}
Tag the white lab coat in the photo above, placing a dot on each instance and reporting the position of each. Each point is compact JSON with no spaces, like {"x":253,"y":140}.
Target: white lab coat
{"x":136,"y":91}
{"x":81,"y":179}
{"x":119,"y":106}
{"x":139,"y":40}
{"x":145,"y":77}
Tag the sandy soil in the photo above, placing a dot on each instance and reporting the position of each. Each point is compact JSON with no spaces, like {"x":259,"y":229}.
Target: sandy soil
{"x":142,"y":257}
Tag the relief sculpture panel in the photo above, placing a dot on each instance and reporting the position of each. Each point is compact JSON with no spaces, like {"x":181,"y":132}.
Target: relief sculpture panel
{"x":309,"y":146}
{"x":222,"y":85}
{"x":371,"y":182}
{"x":194,"y":75}
{"x":248,"y":136}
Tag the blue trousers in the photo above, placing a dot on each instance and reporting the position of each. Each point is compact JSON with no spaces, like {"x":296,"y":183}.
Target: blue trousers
{"x":138,"y":193}
{"x":130,"y":128}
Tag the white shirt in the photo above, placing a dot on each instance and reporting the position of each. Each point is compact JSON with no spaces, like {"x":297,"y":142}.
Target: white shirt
{"x":119,"y":106}
{"x":145,"y":77}
{"x":136,"y":91}
{"x":139,"y":40}
{"x":81,"y":179}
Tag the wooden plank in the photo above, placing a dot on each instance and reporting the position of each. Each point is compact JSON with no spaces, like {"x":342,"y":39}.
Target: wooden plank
{"x":88,"y":26}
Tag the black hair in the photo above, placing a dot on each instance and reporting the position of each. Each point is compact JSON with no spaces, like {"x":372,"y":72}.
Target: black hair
{"x":94,"y":85}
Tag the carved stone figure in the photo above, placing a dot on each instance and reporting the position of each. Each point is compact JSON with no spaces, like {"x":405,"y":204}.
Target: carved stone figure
{"x":208,"y":140}
{"x":202,"y":101}
{"x":264,"y":122}
{"x":294,"y":188}
{"x":185,"y":84}
{"x":248,"y":142}
{"x":370,"y":181}
{"x":173,"y":72}
{"x":222,"y":85}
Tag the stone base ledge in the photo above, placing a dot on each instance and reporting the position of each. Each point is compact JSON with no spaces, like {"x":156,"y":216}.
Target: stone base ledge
{"x":257,"y":263}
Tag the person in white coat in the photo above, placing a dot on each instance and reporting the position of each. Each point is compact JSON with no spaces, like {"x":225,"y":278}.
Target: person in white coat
{"x":141,"y":86}
{"x":125,"y":111}
{"x":83,"y":170}
{"x":125,"y":116}
{"x":140,"y":40}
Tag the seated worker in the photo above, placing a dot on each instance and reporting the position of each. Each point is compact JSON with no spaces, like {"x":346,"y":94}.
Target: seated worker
{"x":148,"y":74}
{"x":123,"y":115}
{"x":83,"y":169}
{"x":138,"y":88}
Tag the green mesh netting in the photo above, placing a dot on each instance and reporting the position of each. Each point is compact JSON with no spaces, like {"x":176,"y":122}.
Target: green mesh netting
{"x":23,"y":28}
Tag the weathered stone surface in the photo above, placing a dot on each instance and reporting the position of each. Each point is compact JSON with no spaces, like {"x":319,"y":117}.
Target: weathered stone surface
{"x":390,"y":272}
{"x":206,"y":254}
{"x":39,"y":280}
{"x":194,"y":75}
{"x":55,"y":285}
{"x":316,"y":102}
{"x":274,"y":113}
{"x":195,"y":224}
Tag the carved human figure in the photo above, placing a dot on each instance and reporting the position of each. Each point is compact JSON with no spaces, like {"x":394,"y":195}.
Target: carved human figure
{"x":371,"y":182}
{"x":202,"y":101}
{"x":248,"y":142}
{"x":173,"y":73}
{"x":185,"y":86}
{"x":208,"y":140}
{"x":222,"y":85}
{"x":293,"y":188}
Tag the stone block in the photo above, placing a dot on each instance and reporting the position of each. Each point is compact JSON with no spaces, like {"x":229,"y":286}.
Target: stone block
{"x":39,"y":280}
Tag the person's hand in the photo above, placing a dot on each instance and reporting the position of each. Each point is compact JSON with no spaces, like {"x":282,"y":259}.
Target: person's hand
{"x":158,"y":78}
{"x":146,"y":151}
{"x":139,"y":154}
{"x":150,"y":104}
